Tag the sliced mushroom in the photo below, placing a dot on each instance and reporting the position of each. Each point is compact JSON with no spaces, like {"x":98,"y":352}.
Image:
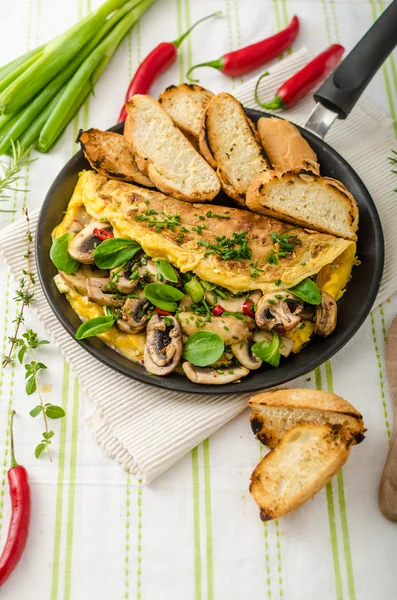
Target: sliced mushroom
{"x":230,"y":303}
{"x":245,"y":356}
{"x":98,"y":292}
{"x":326,"y":315}
{"x":209,"y":376}
{"x":77,"y":281}
{"x":134,"y":318}
{"x":163,"y":349}
{"x":148,"y":270}
{"x":81,"y":219}
{"x":231,"y":330}
{"x":185,"y":303}
{"x":267,"y":336}
{"x":82,"y":246}
{"x":122,"y":277}
{"x":280,"y":311}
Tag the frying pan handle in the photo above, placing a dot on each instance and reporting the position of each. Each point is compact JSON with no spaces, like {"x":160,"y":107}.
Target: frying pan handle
{"x":345,"y":85}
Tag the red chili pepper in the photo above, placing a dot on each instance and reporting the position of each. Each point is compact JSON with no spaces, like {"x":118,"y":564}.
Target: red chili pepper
{"x":103,"y":234}
{"x":297,"y":86}
{"x":159,"y":59}
{"x":163,"y":313}
{"x":251,"y":57}
{"x":280,"y":330}
{"x":248,"y":308}
{"x":218,"y":310}
{"x":20,"y":518}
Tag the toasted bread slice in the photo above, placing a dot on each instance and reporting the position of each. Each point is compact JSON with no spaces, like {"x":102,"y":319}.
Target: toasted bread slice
{"x":285,"y":148}
{"x":173,"y":164}
{"x":186,"y":104}
{"x":273,"y":413}
{"x":306,"y":199}
{"x":229,"y":143}
{"x":108,"y":155}
{"x":305,"y":459}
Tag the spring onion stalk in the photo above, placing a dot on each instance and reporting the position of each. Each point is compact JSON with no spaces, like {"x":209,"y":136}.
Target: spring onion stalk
{"x":56,"y":55}
{"x":18,"y":125}
{"x":87,"y":75}
{"x":11,"y":77}
{"x":12,"y":66}
{"x":31,"y":134}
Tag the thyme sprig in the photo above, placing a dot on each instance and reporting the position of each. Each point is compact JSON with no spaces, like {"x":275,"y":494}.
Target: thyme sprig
{"x":393,"y":160}
{"x":11,"y":171}
{"x":25,"y":345}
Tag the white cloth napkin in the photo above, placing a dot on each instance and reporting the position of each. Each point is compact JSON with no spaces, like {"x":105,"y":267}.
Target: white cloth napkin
{"x":147,"y":429}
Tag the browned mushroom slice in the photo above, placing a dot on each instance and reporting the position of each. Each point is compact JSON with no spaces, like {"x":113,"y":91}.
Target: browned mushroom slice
{"x":280,"y":311}
{"x":77,"y":281}
{"x":108,"y":155}
{"x":163,"y":349}
{"x":148,"y":270}
{"x":326,"y":315}
{"x":126,"y":277}
{"x":231,"y":330}
{"x":208,"y":376}
{"x":134,"y":317}
{"x":242,"y":352}
{"x":99,"y":291}
{"x":83,"y":245}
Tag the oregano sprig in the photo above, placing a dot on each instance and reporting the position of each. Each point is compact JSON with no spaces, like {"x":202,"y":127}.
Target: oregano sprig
{"x":24,"y":346}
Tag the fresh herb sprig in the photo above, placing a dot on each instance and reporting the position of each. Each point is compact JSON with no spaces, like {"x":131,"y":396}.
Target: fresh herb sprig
{"x":393,"y":160}
{"x":11,"y":171}
{"x":25,"y":345}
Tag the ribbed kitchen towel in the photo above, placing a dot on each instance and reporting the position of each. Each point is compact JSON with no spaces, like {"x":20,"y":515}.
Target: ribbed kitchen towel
{"x":148,"y":429}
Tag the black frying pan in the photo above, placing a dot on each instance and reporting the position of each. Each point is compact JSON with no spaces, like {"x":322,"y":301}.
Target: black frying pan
{"x":336,"y":98}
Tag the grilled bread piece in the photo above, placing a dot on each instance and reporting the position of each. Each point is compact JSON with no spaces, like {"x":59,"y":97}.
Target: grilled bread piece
{"x":285,"y":148}
{"x":305,"y":459}
{"x":172,"y":163}
{"x":228,"y":141}
{"x":306,"y":199}
{"x":108,"y":155}
{"x":186,"y":104}
{"x":273,"y":413}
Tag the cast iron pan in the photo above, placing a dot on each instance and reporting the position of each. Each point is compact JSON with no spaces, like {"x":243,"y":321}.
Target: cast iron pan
{"x":353,"y":308}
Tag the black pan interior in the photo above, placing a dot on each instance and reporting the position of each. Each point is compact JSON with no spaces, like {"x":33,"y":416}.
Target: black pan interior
{"x":353,"y":308}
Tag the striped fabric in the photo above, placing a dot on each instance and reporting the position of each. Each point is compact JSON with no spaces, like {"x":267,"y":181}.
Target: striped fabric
{"x":96,"y":531}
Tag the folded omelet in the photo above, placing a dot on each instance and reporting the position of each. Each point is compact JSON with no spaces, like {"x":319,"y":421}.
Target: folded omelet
{"x":199,"y":237}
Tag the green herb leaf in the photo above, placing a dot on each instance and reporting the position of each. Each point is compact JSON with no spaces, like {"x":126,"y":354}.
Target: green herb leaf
{"x":195,"y":290}
{"x":54,"y":412}
{"x":307,"y":291}
{"x":60,"y":256}
{"x":40,"y":449}
{"x":31,"y":385}
{"x":22,"y":352}
{"x":48,"y":435}
{"x":163,"y":296}
{"x":35,"y":411}
{"x":203,"y":348}
{"x":114,"y":252}
{"x":166,"y":270}
{"x":95,"y":327}
{"x":268,"y":351}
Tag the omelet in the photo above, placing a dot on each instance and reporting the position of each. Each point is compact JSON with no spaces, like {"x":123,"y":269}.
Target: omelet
{"x":200,"y":239}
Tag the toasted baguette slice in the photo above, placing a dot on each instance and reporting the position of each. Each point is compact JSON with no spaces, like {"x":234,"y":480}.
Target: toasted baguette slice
{"x":229,"y":143}
{"x":173,"y":164}
{"x":273,"y":413}
{"x":185,"y":104}
{"x":286,"y":149}
{"x":305,"y":459}
{"x":108,"y":155}
{"x":305,"y":199}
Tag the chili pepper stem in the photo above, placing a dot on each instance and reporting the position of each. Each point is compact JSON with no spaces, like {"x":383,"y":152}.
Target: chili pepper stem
{"x":13,"y":461}
{"x":274,"y":104}
{"x":216,"y":64}
{"x":179,"y":40}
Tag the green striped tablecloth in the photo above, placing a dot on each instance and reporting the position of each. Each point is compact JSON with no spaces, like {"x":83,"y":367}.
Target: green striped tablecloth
{"x":96,"y":532}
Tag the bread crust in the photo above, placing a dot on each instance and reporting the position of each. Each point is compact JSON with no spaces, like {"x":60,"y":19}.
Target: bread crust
{"x":171,"y":162}
{"x":305,"y":460}
{"x":186,"y":104}
{"x":108,"y":155}
{"x":285,"y":147}
{"x":229,"y":141}
{"x":304,"y":198}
